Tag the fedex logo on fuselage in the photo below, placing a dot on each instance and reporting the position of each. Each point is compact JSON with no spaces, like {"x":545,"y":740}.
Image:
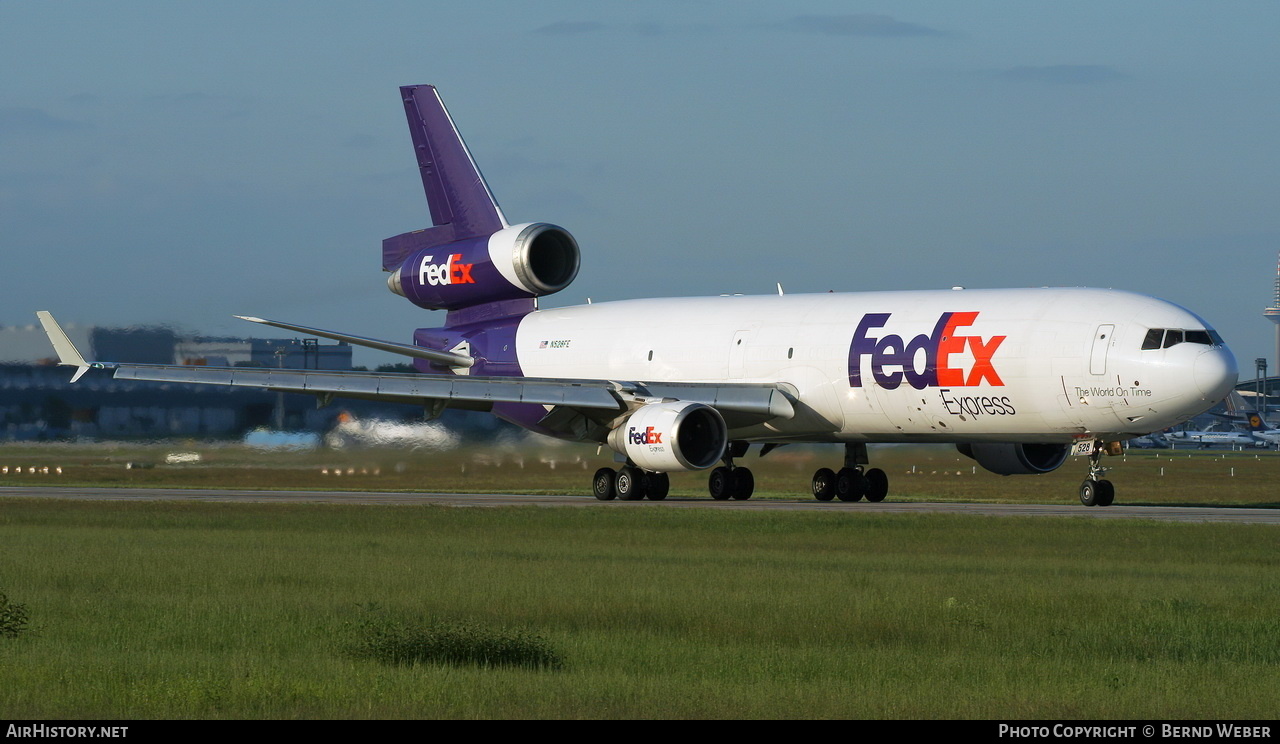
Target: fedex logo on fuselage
{"x":893,"y":360}
{"x":648,"y":436}
{"x":452,"y":271}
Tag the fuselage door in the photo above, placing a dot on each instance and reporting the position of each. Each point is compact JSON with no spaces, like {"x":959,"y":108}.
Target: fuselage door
{"x":1101,"y":342}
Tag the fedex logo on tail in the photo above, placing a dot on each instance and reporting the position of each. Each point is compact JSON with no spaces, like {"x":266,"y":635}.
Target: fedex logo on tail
{"x":452,"y":271}
{"x":893,"y":360}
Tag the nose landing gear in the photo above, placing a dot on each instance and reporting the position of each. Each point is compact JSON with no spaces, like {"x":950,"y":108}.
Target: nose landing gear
{"x":1096,"y":490}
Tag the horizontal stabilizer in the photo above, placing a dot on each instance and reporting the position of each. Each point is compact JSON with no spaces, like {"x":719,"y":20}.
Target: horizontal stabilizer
{"x":446,"y":358}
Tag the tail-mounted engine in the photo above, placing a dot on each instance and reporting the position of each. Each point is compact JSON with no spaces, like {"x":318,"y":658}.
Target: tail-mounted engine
{"x":679,"y":435}
{"x":1017,"y":459}
{"x":517,"y":262}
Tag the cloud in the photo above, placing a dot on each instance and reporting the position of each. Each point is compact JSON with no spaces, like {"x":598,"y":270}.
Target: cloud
{"x":1063,"y":74}
{"x":858,"y":24}
{"x":20,"y":120}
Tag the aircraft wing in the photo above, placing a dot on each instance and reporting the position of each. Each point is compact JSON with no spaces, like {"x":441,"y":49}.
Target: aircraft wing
{"x":579,"y":406}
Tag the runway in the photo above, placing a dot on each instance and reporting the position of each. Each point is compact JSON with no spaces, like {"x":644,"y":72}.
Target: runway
{"x":1233,"y":515}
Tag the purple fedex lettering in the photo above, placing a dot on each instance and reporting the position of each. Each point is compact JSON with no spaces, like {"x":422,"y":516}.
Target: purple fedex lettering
{"x":890,"y":351}
{"x":648,"y":436}
{"x":864,"y":346}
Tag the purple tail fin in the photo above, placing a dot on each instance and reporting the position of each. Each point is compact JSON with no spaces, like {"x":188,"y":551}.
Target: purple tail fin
{"x":461,"y":204}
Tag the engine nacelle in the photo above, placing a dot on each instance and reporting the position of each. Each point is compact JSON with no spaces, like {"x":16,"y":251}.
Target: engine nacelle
{"x":529,"y":260}
{"x":680,"y":435}
{"x":1016,"y":459}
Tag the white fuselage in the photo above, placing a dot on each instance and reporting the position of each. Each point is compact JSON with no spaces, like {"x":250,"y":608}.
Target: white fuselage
{"x":1028,"y":365}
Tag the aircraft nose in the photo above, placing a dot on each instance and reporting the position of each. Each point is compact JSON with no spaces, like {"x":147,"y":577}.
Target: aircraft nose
{"x":1215,"y":373}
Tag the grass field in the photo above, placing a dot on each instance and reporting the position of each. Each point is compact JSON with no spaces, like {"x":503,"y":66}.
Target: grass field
{"x":939,"y":473}
{"x":205,"y":611}
{"x":202,"y":610}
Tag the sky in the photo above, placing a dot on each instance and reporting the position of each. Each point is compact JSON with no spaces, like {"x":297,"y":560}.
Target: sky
{"x":180,"y":162}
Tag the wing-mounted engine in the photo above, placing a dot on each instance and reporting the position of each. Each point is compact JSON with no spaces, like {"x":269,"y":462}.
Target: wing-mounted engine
{"x":678,"y":435}
{"x":1015,"y":458}
{"x":517,"y":262}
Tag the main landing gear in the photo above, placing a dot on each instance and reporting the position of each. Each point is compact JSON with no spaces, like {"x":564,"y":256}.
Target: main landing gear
{"x":731,"y":481}
{"x":853,"y":482}
{"x":1096,"y":490}
{"x":629,"y":483}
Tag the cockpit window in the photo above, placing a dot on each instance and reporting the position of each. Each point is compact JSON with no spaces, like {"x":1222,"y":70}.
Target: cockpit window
{"x":1163,"y":338}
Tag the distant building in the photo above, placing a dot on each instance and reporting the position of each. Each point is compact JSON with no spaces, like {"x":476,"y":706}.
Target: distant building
{"x":1263,"y":394}
{"x":38,"y":400}
{"x":160,"y":345}
{"x":263,"y":352}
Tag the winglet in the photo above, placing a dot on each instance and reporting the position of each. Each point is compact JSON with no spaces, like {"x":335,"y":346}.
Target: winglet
{"x":68,"y":355}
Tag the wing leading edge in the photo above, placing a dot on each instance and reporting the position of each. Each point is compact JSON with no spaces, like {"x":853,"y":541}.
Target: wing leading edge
{"x":596,"y":400}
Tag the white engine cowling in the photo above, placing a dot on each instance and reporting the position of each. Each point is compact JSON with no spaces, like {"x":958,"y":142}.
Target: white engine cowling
{"x":677,"y":435}
{"x":1017,"y":459}
{"x":537,"y":257}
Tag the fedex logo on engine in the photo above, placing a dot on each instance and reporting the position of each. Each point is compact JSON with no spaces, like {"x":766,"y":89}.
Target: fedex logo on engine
{"x":452,"y":271}
{"x":893,"y":360}
{"x":650,"y":435}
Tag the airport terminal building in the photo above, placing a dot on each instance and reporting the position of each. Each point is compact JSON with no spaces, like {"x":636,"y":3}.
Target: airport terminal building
{"x":38,"y":400}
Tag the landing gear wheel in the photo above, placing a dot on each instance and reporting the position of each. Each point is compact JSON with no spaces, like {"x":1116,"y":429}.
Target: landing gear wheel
{"x":744,"y":484}
{"x":1089,"y":493}
{"x":850,"y":485}
{"x":629,"y":483}
{"x":602,"y":484}
{"x":1105,"y":493}
{"x":656,"y":486}
{"x":824,"y":484}
{"x":720,"y":483}
{"x":877,"y":484}
{"x":1096,"y":490}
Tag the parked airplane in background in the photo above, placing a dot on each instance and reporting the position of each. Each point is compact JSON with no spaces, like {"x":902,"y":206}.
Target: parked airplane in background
{"x":1207,"y":438}
{"x":1249,"y":419}
{"x":1153,"y":440}
{"x":1014,"y":377}
{"x":1259,"y":429}
{"x":349,"y":431}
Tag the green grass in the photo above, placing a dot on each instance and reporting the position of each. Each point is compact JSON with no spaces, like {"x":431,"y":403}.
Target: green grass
{"x":916,"y":473}
{"x":199,"y":610}
{"x":383,"y":637}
